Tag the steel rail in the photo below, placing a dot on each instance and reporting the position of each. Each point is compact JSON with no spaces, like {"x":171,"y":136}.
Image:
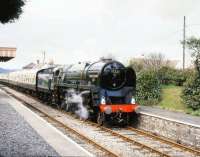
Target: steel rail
{"x":105,"y":150}
{"x":110,"y":153}
{"x":151,"y":149}
{"x":161,"y":139}
{"x":127,"y":139}
{"x":167,"y":141}
{"x":103,"y":128}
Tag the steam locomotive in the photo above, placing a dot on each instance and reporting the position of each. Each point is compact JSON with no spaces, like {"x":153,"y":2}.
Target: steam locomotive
{"x":107,"y":88}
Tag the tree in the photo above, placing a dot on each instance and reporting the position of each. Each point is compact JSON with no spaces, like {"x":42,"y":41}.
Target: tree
{"x":194,"y":45}
{"x":191,"y":91}
{"x":154,"y":61}
{"x":136,"y":64}
{"x":10,"y":10}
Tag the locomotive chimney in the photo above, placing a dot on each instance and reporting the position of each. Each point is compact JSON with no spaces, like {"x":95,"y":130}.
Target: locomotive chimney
{"x":106,"y":59}
{"x":38,"y":62}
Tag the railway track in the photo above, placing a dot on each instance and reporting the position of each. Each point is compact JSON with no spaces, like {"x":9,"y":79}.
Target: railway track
{"x":166,"y":141}
{"x":112,"y":142}
{"x":151,"y":142}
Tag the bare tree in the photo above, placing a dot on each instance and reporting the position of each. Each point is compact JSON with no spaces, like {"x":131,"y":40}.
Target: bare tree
{"x":154,"y":61}
{"x":136,"y":64}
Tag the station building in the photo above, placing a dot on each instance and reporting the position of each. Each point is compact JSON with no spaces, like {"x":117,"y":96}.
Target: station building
{"x":7,"y":53}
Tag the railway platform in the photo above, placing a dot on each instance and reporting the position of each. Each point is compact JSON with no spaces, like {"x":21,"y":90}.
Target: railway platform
{"x":179,"y":127}
{"x":24,"y":133}
{"x":178,"y":117}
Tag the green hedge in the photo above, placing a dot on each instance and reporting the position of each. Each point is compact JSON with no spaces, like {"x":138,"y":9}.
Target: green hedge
{"x":191,"y":92}
{"x":169,"y":75}
{"x":148,"y":88}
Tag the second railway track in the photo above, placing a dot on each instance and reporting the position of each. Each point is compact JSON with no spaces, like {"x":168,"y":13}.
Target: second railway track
{"x":110,"y":142}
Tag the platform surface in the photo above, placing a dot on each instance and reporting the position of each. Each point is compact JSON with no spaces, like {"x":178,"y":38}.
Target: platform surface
{"x":171,"y":115}
{"x":23,"y":133}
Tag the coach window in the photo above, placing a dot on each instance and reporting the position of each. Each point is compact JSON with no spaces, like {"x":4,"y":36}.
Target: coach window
{"x":57,"y":72}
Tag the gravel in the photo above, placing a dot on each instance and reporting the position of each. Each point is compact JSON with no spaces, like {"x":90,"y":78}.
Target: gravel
{"x":17,"y":137}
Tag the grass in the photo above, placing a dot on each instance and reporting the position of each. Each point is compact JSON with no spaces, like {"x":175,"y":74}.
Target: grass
{"x":171,"y":100}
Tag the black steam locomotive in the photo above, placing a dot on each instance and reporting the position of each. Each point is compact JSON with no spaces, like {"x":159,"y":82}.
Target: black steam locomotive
{"x":107,"y":88}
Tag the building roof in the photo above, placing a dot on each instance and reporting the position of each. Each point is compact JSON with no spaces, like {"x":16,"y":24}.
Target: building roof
{"x":7,"y":53}
{"x":30,"y":66}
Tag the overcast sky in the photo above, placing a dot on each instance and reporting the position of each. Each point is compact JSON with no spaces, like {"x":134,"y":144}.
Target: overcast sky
{"x":76,"y":30}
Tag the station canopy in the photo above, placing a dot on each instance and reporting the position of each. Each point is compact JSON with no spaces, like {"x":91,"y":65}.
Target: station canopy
{"x":7,"y":53}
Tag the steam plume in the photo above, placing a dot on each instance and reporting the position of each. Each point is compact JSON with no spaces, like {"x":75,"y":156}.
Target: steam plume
{"x":77,"y":100}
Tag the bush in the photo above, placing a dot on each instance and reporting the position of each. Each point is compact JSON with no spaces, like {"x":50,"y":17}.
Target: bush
{"x":178,"y":77}
{"x":191,"y":92}
{"x":165,"y":75}
{"x":173,"y":76}
{"x":148,"y":88}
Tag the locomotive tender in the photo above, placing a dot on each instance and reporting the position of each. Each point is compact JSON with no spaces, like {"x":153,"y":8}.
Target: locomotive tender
{"x":106,"y":86}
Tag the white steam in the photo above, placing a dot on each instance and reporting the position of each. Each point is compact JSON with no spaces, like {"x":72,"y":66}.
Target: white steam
{"x":77,"y":100}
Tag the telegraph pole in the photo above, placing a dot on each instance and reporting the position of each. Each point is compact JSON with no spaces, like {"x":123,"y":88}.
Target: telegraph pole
{"x":184,"y":43}
{"x":44,"y":55}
